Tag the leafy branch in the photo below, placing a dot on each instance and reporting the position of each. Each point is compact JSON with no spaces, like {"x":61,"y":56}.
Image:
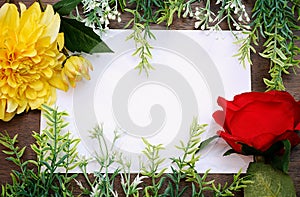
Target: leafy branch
{"x":151,"y":168}
{"x":55,"y":150}
{"x":141,"y":33}
{"x":275,"y":22}
{"x":103,"y":182}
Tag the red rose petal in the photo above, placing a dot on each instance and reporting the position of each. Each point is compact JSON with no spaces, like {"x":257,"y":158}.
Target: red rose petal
{"x":264,"y":141}
{"x":219,"y":117}
{"x":292,"y":136}
{"x":258,"y":118}
{"x":232,"y":141}
{"x":227,"y":104}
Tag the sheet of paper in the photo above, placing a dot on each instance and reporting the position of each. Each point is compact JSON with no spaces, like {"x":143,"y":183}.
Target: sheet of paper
{"x":192,"y":68}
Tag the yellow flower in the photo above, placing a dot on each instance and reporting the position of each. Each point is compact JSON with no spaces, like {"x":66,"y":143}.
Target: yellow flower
{"x":30,"y":58}
{"x":75,"y":68}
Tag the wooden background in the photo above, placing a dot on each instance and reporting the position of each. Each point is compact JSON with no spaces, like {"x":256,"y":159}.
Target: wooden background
{"x":25,"y":123}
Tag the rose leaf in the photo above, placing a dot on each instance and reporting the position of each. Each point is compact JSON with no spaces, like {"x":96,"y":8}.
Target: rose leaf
{"x":281,"y":162}
{"x":268,"y":181}
{"x":206,"y":142}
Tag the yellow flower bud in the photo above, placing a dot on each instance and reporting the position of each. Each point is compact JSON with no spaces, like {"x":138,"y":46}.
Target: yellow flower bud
{"x":75,"y":68}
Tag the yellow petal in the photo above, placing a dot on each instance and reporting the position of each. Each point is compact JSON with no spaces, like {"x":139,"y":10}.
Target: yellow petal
{"x":52,"y":98}
{"x":57,"y":82}
{"x":47,"y":72}
{"x":8,"y":116}
{"x":36,"y":103}
{"x":51,"y":26}
{"x":12,"y":92}
{"x":60,"y":41}
{"x":5,"y":116}
{"x":2,"y":82}
{"x":2,"y":108}
{"x":11,"y":106}
{"x":21,"y":107}
{"x":37,"y":85}
{"x":31,"y":94}
{"x":12,"y":81}
{"x":22,"y":7}
{"x":9,"y":16}
{"x":28,"y":23}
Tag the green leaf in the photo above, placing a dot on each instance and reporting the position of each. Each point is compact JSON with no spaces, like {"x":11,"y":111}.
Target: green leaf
{"x":268,"y":182}
{"x":80,"y":38}
{"x":282,"y":162}
{"x":65,"y":7}
{"x":204,"y":143}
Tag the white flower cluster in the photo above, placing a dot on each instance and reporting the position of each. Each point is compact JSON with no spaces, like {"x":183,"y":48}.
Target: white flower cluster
{"x":98,"y":14}
{"x":203,"y":17}
{"x":238,"y":9}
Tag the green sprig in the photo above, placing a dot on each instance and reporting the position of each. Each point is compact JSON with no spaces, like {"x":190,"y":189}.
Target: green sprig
{"x":150,"y":169}
{"x":275,"y":22}
{"x":55,"y":150}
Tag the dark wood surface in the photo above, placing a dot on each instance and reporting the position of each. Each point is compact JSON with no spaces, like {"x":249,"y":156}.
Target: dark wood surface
{"x":25,"y":123}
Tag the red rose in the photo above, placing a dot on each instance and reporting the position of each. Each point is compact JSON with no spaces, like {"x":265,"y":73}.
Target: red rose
{"x":259,"y":119}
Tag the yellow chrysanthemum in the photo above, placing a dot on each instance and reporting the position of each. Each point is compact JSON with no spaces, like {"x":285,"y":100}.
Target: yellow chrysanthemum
{"x":30,"y":58}
{"x":75,"y":68}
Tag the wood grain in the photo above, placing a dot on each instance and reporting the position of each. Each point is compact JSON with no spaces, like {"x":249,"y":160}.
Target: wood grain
{"x":25,"y":123}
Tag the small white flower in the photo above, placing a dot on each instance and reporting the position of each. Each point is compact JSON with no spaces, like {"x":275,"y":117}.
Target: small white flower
{"x":236,"y":11}
{"x":197,"y":24}
{"x":240,"y":18}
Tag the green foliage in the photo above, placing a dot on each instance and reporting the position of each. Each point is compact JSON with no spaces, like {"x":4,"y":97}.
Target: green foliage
{"x":141,"y":32}
{"x":268,"y":181}
{"x":102,"y":183}
{"x":55,"y":150}
{"x":143,"y":48}
{"x":185,"y":170}
{"x":150,"y":169}
{"x":278,"y":155}
{"x":281,"y":162}
{"x":185,"y":165}
{"x":170,"y":8}
{"x":274,"y":21}
{"x":130,"y":187}
{"x":65,"y":7}
{"x":246,"y":47}
{"x":79,"y":38}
